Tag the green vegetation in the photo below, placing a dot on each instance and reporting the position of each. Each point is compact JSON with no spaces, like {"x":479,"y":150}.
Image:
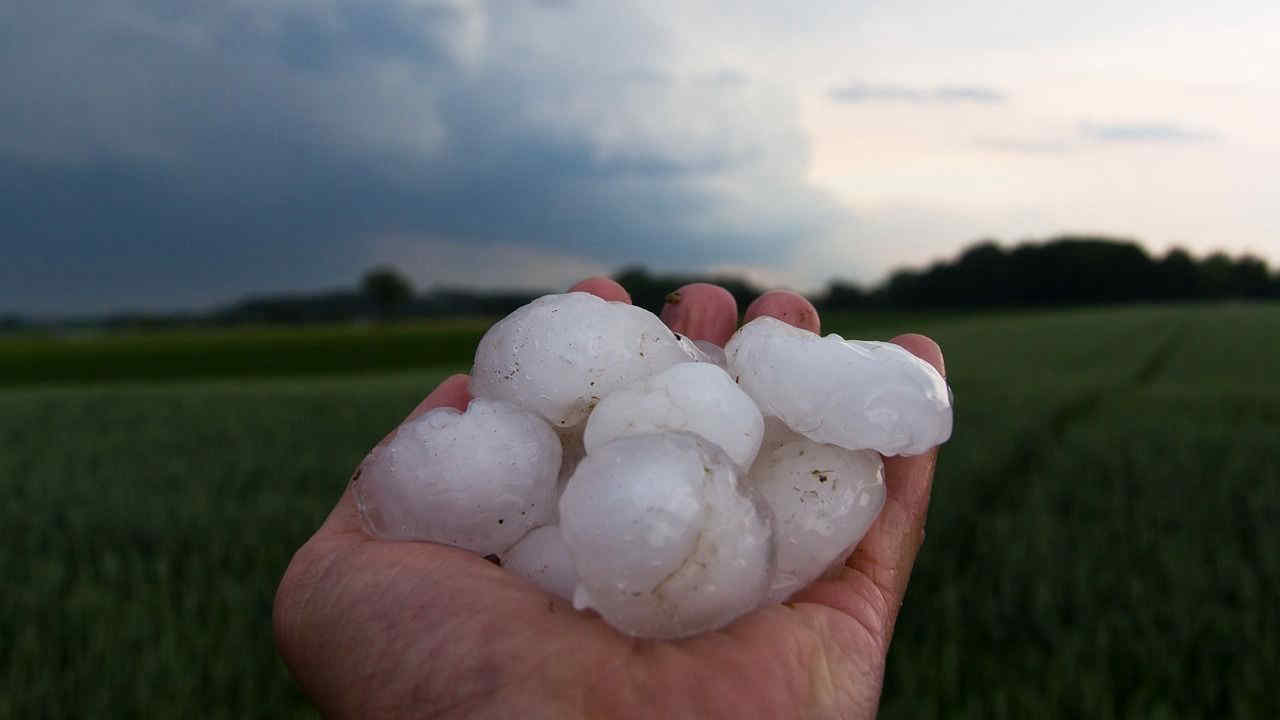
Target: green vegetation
{"x":247,"y":352}
{"x":1103,"y":541}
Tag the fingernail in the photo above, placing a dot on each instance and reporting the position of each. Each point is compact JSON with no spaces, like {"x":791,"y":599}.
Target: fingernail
{"x":675,"y":314}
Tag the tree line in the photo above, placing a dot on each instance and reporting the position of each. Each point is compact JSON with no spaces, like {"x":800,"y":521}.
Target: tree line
{"x":1060,"y":272}
{"x":1067,"y":271}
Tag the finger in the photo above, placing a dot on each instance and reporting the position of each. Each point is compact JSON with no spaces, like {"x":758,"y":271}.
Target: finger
{"x":873,"y":585}
{"x":345,"y":516}
{"x":702,"y":311}
{"x":788,"y":307}
{"x":603,"y":287}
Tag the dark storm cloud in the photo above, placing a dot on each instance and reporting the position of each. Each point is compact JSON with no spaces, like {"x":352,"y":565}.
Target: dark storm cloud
{"x":941,"y":94}
{"x":167,"y":154}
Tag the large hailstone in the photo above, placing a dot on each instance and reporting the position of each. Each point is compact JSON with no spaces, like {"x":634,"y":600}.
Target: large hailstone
{"x":542,"y":558}
{"x":694,"y":397}
{"x":703,"y":351}
{"x":560,"y":354}
{"x":823,"y":498}
{"x":477,"y":480}
{"x":855,"y":394}
{"x":664,"y":541}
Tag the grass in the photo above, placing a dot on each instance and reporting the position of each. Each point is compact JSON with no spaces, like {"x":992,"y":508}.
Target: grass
{"x":1103,"y":540}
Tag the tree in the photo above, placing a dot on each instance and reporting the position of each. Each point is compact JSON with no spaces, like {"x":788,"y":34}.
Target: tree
{"x":386,"y":289}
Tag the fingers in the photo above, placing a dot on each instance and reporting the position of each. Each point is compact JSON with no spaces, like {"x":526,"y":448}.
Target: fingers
{"x":888,"y":552}
{"x":701,"y":311}
{"x":450,"y":393}
{"x":874,"y":582}
{"x":345,"y":516}
{"x":603,"y":287}
{"x":788,"y":307}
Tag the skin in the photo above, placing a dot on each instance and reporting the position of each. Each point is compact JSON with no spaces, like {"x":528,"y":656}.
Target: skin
{"x":375,"y":629}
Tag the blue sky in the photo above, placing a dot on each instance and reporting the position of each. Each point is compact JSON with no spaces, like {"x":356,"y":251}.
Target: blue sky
{"x":160,"y":154}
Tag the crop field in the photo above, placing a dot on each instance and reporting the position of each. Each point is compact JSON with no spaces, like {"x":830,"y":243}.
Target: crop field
{"x":1104,"y":539}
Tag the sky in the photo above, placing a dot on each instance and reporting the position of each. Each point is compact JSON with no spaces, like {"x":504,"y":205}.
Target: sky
{"x":181,"y":154}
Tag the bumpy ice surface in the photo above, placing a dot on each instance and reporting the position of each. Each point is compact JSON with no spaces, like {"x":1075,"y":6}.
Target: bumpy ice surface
{"x":477,"y":480}
{"x":823,"y":499}
{"x":665,"y":542}
{"x":694,"y":397}
{"x":855,"y":394}
{"x":690,"y":495}
{"x":560,"y":354}
{"x":542,"y":558}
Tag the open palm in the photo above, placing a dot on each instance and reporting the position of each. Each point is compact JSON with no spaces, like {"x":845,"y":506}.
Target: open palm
{"x":375,"y":629}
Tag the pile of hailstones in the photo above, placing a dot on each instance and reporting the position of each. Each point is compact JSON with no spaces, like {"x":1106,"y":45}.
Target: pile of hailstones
{"x":669,"y":485}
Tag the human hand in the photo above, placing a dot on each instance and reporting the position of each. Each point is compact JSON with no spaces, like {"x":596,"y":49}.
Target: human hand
{"x":377,"y":629}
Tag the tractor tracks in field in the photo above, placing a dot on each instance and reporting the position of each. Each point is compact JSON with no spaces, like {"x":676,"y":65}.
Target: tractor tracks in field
{"x":1035,"y":446}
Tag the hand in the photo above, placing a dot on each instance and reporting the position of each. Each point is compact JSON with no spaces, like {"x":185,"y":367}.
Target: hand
{"x":374,"y":629}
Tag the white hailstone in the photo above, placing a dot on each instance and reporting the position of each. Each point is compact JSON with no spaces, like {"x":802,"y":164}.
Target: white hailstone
{"x":542,"y":558}
{"x":477,"y":480}
{"x":703,"y":351}
{"x":854,"y":394}
{"x":664,"y":541}
{"x":711,"y":352}
{"x":694,"y":397}
{"x":691,"y":349}
{"x":560,"y":354}
{"x":776,"y":434}
{"x":823,"y":499}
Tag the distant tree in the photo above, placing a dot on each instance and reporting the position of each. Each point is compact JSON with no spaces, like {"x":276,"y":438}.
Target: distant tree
{"x":1178,"y":276}
{"x":386,"y":289}
{"x":843,"y":295}
{"x":11,"y":321}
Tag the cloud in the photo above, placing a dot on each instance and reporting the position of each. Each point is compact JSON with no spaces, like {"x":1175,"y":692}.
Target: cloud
{"x":940,"y":94}
{"x":1022,"y":145}
{"x":1144,"y":133}
{"x":181,"y":154}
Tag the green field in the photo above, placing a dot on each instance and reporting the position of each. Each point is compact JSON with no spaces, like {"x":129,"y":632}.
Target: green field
{"x":1104,"y":540}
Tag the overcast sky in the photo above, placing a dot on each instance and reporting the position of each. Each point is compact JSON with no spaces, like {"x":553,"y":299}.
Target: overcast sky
{"x":161,"y":154}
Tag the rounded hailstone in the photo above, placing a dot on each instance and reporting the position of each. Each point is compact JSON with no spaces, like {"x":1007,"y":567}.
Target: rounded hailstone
{"x":542,"y":558}
{"x":776,"y":434}
{"x":855,"y":394}
{"x":477,"y":480}
{"x":693,"y":397}
{"x":703,"y":351}
{"x":823,"y":499}
{"x":560,"y":354}
{"x":665,"y":542}
{"x":711,"y":352}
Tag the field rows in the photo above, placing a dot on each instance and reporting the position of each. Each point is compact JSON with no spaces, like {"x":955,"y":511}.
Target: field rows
{"x":1103,"y":540}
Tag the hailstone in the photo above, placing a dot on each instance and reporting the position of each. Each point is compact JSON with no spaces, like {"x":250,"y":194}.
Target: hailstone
{"x":542,"y":558}
{"x":665,"y":542}
{"x":561,"y":354}
{"x":694,"y":397}
{"x":711,"y":352}
{"x":823,"y":499}
{"x":477,"y":480}
{"x":855,"y":394}
{"x":776,"y":434}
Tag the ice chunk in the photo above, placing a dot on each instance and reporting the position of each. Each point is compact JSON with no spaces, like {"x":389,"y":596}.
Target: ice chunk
{"x":664,"y":541}
{"x":542,"y":558}
{"x":703,"y":351}
{"x":560,"y":354}
{"x":694,"y":397}
{"x":855,"y":394}
{"x":776,"y":434}
{"x":823,"y":499}
{"x":711,"y":352}
{"x":478,"y":480}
